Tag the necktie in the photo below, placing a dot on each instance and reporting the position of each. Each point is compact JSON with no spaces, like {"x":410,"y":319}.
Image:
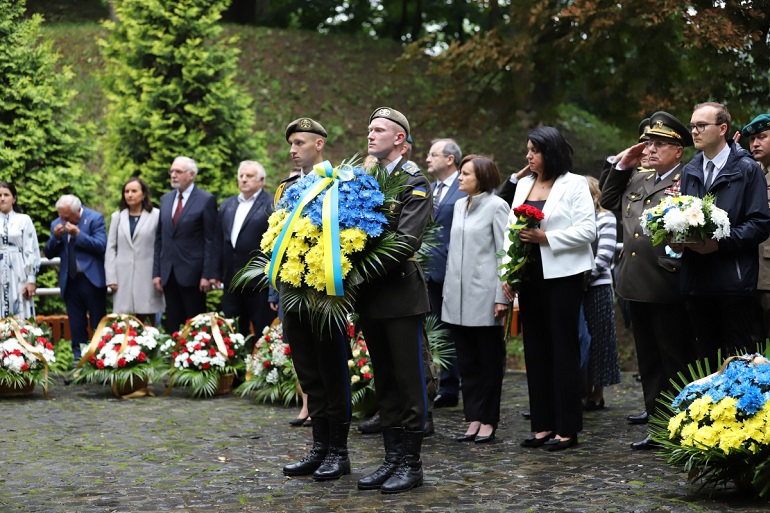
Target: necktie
{"x":657,"y":179}
{"x":72,"y":261}
{"x":709,"y":174}
{"x":178,"y":210}
{"x":437,"y":198}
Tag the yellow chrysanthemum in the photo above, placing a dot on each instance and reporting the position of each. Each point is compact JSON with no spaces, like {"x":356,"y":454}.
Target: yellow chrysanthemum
{"x":315,"y":276}
{"x":292,"y":272}
{"x":675,"y":422}
{"x":688,"y":431}
{"x":274,"y":226}
{"x":725,"y":409}
{"x":706,"y":436}
{"x":731,"y":437}
{"x":700,"y":408}
{"x":352,"y":240}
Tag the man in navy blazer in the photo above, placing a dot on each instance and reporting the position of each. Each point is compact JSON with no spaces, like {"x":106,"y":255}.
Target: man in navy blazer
{"x":184,"y":266}
{"x":79,"y":238}
{"x":241,"y":223}
{"x":443,"y":158}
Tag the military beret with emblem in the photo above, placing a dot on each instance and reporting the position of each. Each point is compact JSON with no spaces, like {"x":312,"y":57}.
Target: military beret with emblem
{"x":665,"y":125}
{"x":644,"y":126}
{"x":759,"y":124}
{"x":305,"y":125}
{"x":391,"y":114}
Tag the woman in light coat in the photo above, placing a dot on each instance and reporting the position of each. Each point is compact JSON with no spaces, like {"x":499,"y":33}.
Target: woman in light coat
{"x":474,"y":305}
{"x":130,"y":251}
{"x":550,"y":296}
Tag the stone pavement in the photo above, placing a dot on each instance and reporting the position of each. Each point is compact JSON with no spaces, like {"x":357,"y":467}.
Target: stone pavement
{"x":84,"y":451}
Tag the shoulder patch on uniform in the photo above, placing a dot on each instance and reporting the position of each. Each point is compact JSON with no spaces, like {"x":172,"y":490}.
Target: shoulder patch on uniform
{"x":419,"y":191}
{"x":411,"y":168}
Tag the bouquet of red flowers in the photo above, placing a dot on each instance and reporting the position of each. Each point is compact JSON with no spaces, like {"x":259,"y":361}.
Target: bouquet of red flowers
{"x":515,"y":258}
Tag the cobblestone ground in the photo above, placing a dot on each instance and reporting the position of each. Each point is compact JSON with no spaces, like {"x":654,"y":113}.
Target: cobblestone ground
{"x":84,"y":451}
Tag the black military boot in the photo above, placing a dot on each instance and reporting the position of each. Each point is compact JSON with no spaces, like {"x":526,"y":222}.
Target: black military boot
{"x":408,"y":474}
{"x":392,"y":440}
{"x":371,"y":426}
{"x":336,"y":463}
{"x":315,"y":457}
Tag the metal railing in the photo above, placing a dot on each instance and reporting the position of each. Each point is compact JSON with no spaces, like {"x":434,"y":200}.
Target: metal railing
{"x":52,"y":291}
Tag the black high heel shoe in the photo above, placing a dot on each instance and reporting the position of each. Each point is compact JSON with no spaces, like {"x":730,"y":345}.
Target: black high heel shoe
{"x":468,"y":437}
{"x":533,"y":441}
{"x":485,"y":439}
{"x":297,"y":422}
{"x":559,"y":445}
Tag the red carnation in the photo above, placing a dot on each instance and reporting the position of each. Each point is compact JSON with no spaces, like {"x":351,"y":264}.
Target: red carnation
{"x":197,"y":347}
{"x":107,"y":337}
{"x":362,"y":362}
{"x":131,"y":333}
{"x":220,"y":322}
{"x":204,"y":329}
{"x":121,"y":362}
{"x":141,"y":356}
{"x":114,"y":326}
{"x":206,"y":365}
{"x":286,"y":350}
{"x":226,"y":340}
{"x":266,"y":364}
{"x":193,"y":333}
{"x":174,"y":355}
{"x":99,"y":364}
{"x":189,"y":360}
{"x":351,"y":330}
{"x":92,"y":359}
{"x":25,"y":366}
{"x":101,"y":344}
{"x":230,"y":352}
{"x":212,"y":352}
{"x":182,"y":341}
{"x":119,"y":331}
{"x":49,"y":346}
{"x":267,"y":338}
{"x":41,"y":340}
{"x":175,"y":334}
{"x":367,"y":375}
{"x":16,"y":352}
{"x":132,"y":342}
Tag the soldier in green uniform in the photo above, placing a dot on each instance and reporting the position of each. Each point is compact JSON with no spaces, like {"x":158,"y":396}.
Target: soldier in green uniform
{"x":392,"y":310}
{"x":320,"y":355}
{"x":647,"y":275}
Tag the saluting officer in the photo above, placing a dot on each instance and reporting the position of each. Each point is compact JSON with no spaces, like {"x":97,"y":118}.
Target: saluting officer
{"x":319,"y":354}
{"x":392,"y":310}
{"x":648,"y":276}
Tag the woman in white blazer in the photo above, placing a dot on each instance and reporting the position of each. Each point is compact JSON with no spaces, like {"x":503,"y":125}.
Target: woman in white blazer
{"x":130,"y":250}
{"x":550,"y":296}
{"x":474,"y":304}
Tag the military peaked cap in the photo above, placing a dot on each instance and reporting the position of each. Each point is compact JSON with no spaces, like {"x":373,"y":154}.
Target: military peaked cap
{"x":305,"y":125}
{"x":393,"y":115}
{"x":665,"y":125}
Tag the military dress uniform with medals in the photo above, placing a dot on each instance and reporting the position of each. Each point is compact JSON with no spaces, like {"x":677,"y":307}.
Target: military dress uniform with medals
{"x":648,"y":277}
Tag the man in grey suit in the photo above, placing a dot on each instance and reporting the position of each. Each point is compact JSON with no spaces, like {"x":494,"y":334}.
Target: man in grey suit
{"x":241,"y":223}
{"x":443,"y":158}
{"x":184,"y":265}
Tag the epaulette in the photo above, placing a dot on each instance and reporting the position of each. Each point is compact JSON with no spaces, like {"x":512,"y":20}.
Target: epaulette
{"x":281,"y":186}
{"x":411,"y":168}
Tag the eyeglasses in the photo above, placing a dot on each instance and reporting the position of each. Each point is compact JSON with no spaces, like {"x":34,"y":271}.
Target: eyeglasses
{"x":434,"y":155}
{"x":698,"y":128}
{"x":659,"y":144}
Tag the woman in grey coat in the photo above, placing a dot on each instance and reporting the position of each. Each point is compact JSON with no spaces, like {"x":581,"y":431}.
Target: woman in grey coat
{"x":474,"y":305}
{"x":130,"y":250}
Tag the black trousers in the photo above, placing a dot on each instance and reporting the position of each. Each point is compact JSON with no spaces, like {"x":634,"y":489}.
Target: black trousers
{"x":182,"y":303}
{"x":321,"y":361}
{"x":449,"y":377}
{"x":729,"y":323}
{"x":249,"y":307}
{"x":549,"y":315}
{"x":481,"y":359}
{"x":396,"y":347}
{"x":665,"y":344}
{"x":84,"y":302}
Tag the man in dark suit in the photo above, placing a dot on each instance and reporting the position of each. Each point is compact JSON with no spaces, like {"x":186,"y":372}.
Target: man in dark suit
{"x":443,"y":158}
{"x":647,"y":275}
{"x":392,"y":308}
{"x":184,"y":265}
{"x":79,"y":238}
{"x":241,"y":223}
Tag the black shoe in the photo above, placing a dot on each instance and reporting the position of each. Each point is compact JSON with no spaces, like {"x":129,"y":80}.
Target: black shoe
{"x":559,"y":445}
{"x":592,"y":406}
{"x":445,"y":401}
{"x":336,"y":463}
{"x":68,"y":381}
{"x":317,"y":454}
{"x":485,"y":439}
{"x":408,"y":474}
{"x":297,"y":422}
{"x":642,"y":418}
{"x":526,"y":414}
{"x":467,"y":438}
{"x":391,"y":438}
{"x":308,"y":422}
{"x":371,"y":426}
{"x":533,"y":441}
{"x":647,"y":444}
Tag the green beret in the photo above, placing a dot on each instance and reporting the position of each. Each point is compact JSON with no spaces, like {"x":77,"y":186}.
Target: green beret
{"x":644,"y":126}
{"x":393,"y":115}
{"x":305,"y":125}
{"x":760,"y":124}
{"x":665,"y":125}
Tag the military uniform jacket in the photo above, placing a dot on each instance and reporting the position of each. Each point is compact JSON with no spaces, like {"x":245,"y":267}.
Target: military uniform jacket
{"x":645,"y":272}
{"x":764,"y":248}
{"x":401,"y":290}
